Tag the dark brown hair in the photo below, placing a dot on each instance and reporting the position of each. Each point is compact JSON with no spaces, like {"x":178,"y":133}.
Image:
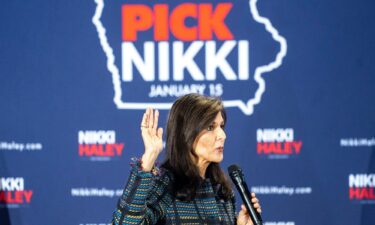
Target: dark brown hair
{"x":190,"y":114}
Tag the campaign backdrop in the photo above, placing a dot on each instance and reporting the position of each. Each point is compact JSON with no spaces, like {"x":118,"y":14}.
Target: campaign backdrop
{"x":296,"y":78}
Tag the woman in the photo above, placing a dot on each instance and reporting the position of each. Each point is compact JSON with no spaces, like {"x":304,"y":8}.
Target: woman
{"x":190,"y":187}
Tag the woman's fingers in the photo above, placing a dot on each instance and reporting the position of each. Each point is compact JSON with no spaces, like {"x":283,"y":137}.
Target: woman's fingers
{"x":156,"y":119}
{"x":255,"y":202}
{"x":144,"y":120}
{"x":150,"y":118}
{"x":257,"y":207}
{"x":253,"y":198}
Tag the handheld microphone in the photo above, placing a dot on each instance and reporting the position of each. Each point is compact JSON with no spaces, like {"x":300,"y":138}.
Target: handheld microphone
{"x":238,"y":179}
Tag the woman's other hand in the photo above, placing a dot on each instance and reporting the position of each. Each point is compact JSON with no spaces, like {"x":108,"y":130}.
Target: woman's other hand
{"x":243,"y":216}
{"x":152,"y":138}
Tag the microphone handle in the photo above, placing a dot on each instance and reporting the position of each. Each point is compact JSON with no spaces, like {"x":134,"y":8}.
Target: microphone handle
{"x":246,"y":198}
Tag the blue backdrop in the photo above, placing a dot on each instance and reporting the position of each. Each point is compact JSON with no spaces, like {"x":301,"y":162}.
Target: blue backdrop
{"x":297,"y":79}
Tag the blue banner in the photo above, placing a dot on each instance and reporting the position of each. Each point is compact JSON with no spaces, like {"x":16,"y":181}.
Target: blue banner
{"x":296,"y":78}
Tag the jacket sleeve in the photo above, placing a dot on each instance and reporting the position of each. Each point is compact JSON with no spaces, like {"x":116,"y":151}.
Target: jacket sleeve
{"x":144,"y":200}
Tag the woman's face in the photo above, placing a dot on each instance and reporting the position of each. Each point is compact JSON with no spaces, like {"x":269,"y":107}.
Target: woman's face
{"x":209,"y":144}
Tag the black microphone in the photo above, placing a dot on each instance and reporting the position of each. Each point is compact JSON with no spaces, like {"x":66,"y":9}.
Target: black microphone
{"x":238,"y":179}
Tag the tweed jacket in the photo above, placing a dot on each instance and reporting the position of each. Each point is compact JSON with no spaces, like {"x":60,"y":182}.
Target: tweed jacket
{"x":147,"y":199}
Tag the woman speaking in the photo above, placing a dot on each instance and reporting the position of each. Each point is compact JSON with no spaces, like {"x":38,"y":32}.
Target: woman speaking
{"x":189,"y":187}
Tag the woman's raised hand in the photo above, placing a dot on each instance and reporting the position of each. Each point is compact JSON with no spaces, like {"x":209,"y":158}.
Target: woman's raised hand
{"x":152,"y":138}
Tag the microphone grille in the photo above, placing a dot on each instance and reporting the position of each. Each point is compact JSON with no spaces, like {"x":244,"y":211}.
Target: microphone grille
{"x":234,"y":169}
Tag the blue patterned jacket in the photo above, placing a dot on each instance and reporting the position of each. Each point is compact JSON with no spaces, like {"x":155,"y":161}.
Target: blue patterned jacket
{"x":147,"y":199}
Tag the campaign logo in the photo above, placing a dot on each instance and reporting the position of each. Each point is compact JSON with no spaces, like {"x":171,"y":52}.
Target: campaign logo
{"x":99,"y":145}
{"x":361,"y":187}
{"x":159,"y":51}
{"x":13,"y":192}
{"x":277,"y":143}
